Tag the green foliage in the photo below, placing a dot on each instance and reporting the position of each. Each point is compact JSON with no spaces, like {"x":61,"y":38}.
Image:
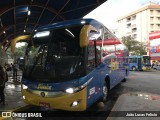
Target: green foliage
{"x":134,"y":47}
{"x":20,"y":51}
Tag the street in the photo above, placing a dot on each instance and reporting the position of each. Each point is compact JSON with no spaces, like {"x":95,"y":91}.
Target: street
{"x":143,"y":81}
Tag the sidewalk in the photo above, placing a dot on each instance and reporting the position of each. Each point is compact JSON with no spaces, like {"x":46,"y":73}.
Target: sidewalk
{"x":13,"y":95}
{"x":136,"y":106}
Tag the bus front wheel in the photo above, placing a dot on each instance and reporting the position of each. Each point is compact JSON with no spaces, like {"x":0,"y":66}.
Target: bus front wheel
{"x":134,"y":68}
{"x":105,"y":92}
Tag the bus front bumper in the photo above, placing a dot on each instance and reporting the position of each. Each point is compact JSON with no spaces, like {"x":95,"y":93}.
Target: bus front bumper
{"x":70,"y":102}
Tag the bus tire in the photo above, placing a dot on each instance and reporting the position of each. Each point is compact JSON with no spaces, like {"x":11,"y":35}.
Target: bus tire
{"x":126,"y":74}
{"x":124,"y":80}
{"x":133,"y":68}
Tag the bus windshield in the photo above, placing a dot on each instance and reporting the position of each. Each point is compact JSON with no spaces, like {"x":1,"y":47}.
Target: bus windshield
{"x":146,"y":60}
{"x":54,"y":57}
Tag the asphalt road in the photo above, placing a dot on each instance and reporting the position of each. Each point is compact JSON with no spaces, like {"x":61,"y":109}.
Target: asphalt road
{"x":137,"y":81}
{"x":144,"y":81}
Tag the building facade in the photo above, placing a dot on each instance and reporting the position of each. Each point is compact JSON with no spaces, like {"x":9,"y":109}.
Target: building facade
{"x":140,"y":23}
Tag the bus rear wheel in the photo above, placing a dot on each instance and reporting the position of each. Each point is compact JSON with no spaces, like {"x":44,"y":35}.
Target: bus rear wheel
{"x":134,"y":68}
{"x":124,"y":80}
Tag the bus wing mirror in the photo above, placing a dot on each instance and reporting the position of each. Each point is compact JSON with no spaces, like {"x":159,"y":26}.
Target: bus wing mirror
{"x":84,"y":35}
{"x":94,"y":35}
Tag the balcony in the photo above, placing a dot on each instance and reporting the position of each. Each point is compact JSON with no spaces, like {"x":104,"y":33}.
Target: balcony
{"x":128,"y":27}
{"x":128,"y":33}
{"x":133,"y":31}
{"x":134,"y":26}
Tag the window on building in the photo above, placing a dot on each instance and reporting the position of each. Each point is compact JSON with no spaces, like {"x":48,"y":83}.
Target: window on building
{"x":134,"y":36}
{"x":152,"y":26}
{"x":129,"y":25}
{"x":158,"y":11}
{"x":158,"y":26}
{"x":151,"y":19}
{"x":134,"y":30}
{"x":128,"y":19}
{"x":134,"y":25}
{"x":134,"y":17}
{"x":151,"y":12}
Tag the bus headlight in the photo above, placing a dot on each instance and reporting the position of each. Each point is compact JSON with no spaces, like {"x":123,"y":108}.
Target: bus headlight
{"x":24,"y":86}
{"x":70,"y":90}
{"x":73,"y":90}
{"x":75,"y":103}
{"x":76,"y":89}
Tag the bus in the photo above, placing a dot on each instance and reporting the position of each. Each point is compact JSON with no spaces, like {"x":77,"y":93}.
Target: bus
{"x":139,"y":62}
{"x":71,"y":65}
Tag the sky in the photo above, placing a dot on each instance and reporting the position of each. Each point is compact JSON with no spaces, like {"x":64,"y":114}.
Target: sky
{"x":20,"y":44}
{"x":111,"y":10}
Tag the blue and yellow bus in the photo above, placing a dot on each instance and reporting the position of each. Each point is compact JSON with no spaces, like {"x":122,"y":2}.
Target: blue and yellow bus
{"x":72,"y":64}
{"x":139,"y":62}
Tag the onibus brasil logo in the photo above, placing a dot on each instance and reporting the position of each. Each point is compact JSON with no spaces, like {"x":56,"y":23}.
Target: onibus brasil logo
{"x":20,"y":114}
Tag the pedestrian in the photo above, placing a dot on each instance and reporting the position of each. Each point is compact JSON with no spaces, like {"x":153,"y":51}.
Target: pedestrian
{"x":153,"y":64}
{"x":3,"y":80}
{"x":15,"y":69}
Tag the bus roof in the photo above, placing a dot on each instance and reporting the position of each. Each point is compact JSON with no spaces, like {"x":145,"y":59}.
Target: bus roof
{"x":67,"y":23}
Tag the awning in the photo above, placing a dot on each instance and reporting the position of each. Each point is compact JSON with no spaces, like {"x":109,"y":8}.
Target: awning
{"x":154,"y":35}
{"x":155,"y":58}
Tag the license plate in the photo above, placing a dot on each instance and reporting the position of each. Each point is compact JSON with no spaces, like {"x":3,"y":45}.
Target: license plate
{"x":43,"y":104}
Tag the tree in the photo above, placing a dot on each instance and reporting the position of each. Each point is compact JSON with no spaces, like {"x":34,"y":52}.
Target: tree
{"x":19,"y":52}
{"x":134,"y":47}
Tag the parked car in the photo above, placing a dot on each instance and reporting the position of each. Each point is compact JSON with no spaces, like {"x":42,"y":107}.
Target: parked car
{"x":156,"y":67}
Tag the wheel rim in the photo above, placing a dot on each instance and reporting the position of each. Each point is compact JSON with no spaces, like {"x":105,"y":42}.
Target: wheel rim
{"x":105,"y":92}
{"x":133,"y":68}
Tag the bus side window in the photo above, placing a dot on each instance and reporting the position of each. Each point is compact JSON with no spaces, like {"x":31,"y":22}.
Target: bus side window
{"x":91,"y":57}
{"x":98,"y":51}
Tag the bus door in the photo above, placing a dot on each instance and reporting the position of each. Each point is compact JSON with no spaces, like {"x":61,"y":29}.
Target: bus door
{"x":114,"y":74}
{"x":93,"y":61}
{"x":139,"y":63}
{"x":111,"y":62}
{"x":93,"y":72}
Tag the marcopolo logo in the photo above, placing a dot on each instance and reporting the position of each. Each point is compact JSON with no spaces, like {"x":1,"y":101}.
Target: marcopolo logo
{"x":6,"y":114}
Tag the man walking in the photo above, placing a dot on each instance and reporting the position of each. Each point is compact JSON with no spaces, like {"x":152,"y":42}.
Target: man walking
{"x":3,"y":79}
{"x":15,"y":69}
